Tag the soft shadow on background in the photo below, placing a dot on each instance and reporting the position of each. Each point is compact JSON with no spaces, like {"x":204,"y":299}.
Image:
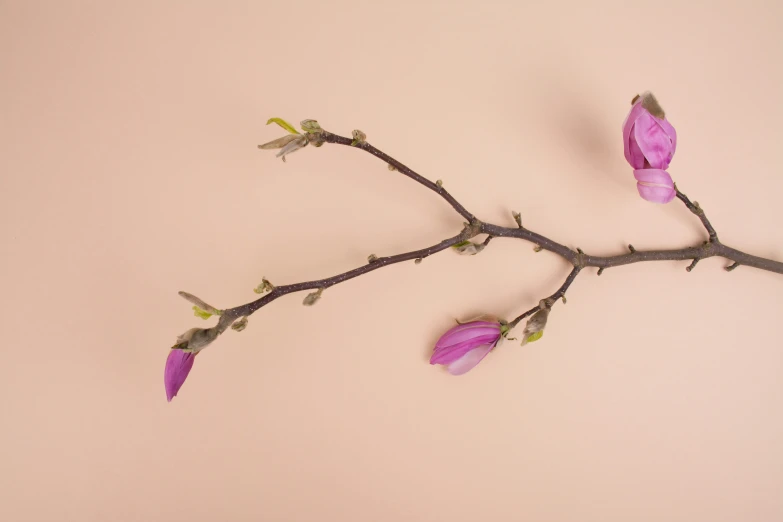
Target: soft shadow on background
{"x":129,"y":171}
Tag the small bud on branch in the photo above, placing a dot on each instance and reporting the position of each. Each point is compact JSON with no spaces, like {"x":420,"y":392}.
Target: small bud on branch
{"x":312,"y":297}
{"x":265,"y":286}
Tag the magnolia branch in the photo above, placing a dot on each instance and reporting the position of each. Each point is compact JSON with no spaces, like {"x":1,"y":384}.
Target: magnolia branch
{"x":322,"y":284}
{"x":236,"y":317}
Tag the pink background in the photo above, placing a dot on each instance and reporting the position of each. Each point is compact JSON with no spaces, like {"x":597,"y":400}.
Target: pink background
{"x":128,"y":135}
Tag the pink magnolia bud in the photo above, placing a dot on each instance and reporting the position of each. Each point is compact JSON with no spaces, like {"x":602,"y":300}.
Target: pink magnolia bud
{"x":649,"y":140}
{"x":178,"y":365}
{"x":654,"y":185}
{"x":465,"y":345}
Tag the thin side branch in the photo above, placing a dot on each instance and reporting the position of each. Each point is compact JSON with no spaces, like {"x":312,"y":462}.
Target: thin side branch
{"x":551,"y":300}
{"x":320,"y":284}
{"x":696,"y":209}
{"x":328,"y":137}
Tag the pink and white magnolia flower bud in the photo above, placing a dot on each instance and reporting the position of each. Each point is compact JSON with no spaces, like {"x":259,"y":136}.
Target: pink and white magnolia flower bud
{"x":466,"y":345}
{"x":649,"y":142}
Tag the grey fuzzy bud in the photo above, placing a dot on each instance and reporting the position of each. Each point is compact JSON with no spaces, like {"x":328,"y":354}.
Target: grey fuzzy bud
{"x":239,"y":325}
{"x":358,"y":137}
{"x":279,"y":143}
{"x":312,"y":297}
{"x":265,"y":286}
{"x":468,"y":248}
{"x":299,"y":143}
{"x":311,"y":126}
{"x":196,"y":339}
{"x":535,"y":325}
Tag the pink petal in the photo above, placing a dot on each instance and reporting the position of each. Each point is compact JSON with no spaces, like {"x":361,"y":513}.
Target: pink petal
{"x":470,"y":359}
{"x":655,"y":185}
{"x":628,"y":126}
{"x":466,"y":331}
{"x":668,"y":128}
{"x":449,"y":354}
{"x":654,"y":142}
{"x":636,"y":154}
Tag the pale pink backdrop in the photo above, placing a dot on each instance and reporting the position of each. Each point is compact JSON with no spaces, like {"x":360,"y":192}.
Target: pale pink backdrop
{"x":128,"y":135}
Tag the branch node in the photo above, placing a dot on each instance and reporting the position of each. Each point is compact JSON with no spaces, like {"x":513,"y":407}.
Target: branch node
{"x":372,"y":258}
{"x":391,"y":167}
{"x":600,"y":270}
{"x":439,"y":183}
{"x":631,"y":248}
{"x":517,"y":218}
{"x":473,"y":228}
{"x":537,"y":248}
{"x":692,"y":265}
{"x":731,"y":267}
{"x":418,"y":260}
{"x":579,"y":250}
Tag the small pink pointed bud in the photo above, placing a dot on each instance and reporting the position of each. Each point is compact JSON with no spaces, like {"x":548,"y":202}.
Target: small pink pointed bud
{"x":178,"y":366}
{"x":466,"y":345}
